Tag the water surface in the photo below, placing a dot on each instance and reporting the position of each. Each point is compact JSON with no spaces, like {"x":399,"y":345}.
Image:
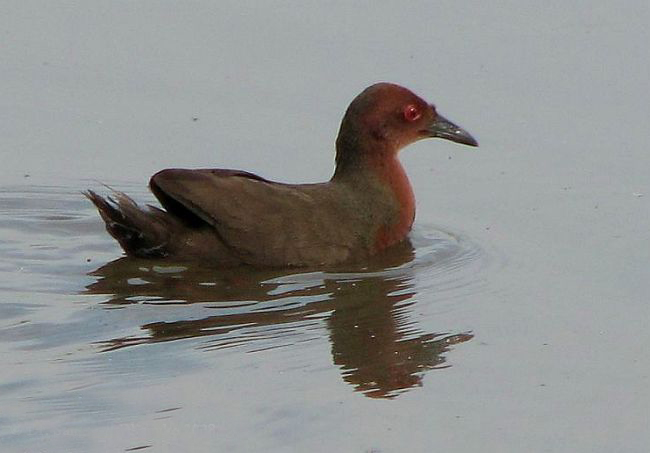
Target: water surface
{"x":71,"y":320}
{"x":516,"y":320}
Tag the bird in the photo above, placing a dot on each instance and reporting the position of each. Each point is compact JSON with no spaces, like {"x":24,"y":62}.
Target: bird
{"x":231,"y":218}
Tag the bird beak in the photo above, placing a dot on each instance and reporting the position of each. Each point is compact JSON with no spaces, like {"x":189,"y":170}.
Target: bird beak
{"x":441,"y":127}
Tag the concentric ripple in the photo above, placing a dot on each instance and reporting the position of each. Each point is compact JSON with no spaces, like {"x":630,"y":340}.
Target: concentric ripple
{"x":53,"y":242}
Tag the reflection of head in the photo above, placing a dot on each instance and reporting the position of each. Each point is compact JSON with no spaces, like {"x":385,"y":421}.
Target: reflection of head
{"x":380,"y":351}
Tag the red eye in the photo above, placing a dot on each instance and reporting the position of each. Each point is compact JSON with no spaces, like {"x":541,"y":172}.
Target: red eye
{"x":412,"y":113}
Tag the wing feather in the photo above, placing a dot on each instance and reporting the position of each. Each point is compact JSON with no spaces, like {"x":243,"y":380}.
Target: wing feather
{"x":265,"y":222}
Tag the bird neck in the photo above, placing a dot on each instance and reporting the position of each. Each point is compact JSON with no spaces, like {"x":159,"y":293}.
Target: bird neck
{"x":379,"y":167}
{"x":392,"y":174}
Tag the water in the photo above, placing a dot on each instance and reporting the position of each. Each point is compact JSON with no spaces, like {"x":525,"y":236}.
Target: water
{"x":515,"y":320}
{"x":72,"y":321}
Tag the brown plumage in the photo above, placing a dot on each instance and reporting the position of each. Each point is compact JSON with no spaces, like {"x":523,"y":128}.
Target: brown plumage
{"x":230,"y":217}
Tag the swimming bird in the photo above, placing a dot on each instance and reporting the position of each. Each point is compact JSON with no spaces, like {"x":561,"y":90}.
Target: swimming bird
{"x":233,"y":217}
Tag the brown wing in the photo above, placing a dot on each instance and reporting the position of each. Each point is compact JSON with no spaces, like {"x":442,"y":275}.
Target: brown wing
{"x":263,"y":222}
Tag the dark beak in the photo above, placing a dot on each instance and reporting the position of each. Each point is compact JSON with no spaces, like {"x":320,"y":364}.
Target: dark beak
{"x":443,"y":128}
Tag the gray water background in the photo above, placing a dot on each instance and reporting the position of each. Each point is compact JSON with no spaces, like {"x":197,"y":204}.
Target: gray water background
{"x":517,"y":322}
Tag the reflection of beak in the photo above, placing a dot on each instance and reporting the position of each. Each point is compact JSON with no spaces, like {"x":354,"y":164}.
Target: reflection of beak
{"x":441,"y":127}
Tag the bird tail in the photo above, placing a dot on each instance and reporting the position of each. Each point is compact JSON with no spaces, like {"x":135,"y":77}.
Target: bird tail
{"x":142,"y":233}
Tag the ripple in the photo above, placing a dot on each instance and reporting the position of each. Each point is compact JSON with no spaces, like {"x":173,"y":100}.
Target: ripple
{"x":52,"y":237}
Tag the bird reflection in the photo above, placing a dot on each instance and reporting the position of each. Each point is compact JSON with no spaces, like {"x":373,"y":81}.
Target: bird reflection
{"x":367,"y":312}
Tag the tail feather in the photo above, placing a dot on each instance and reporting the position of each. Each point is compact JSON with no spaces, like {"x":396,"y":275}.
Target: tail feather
{"x":143,"y":233}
